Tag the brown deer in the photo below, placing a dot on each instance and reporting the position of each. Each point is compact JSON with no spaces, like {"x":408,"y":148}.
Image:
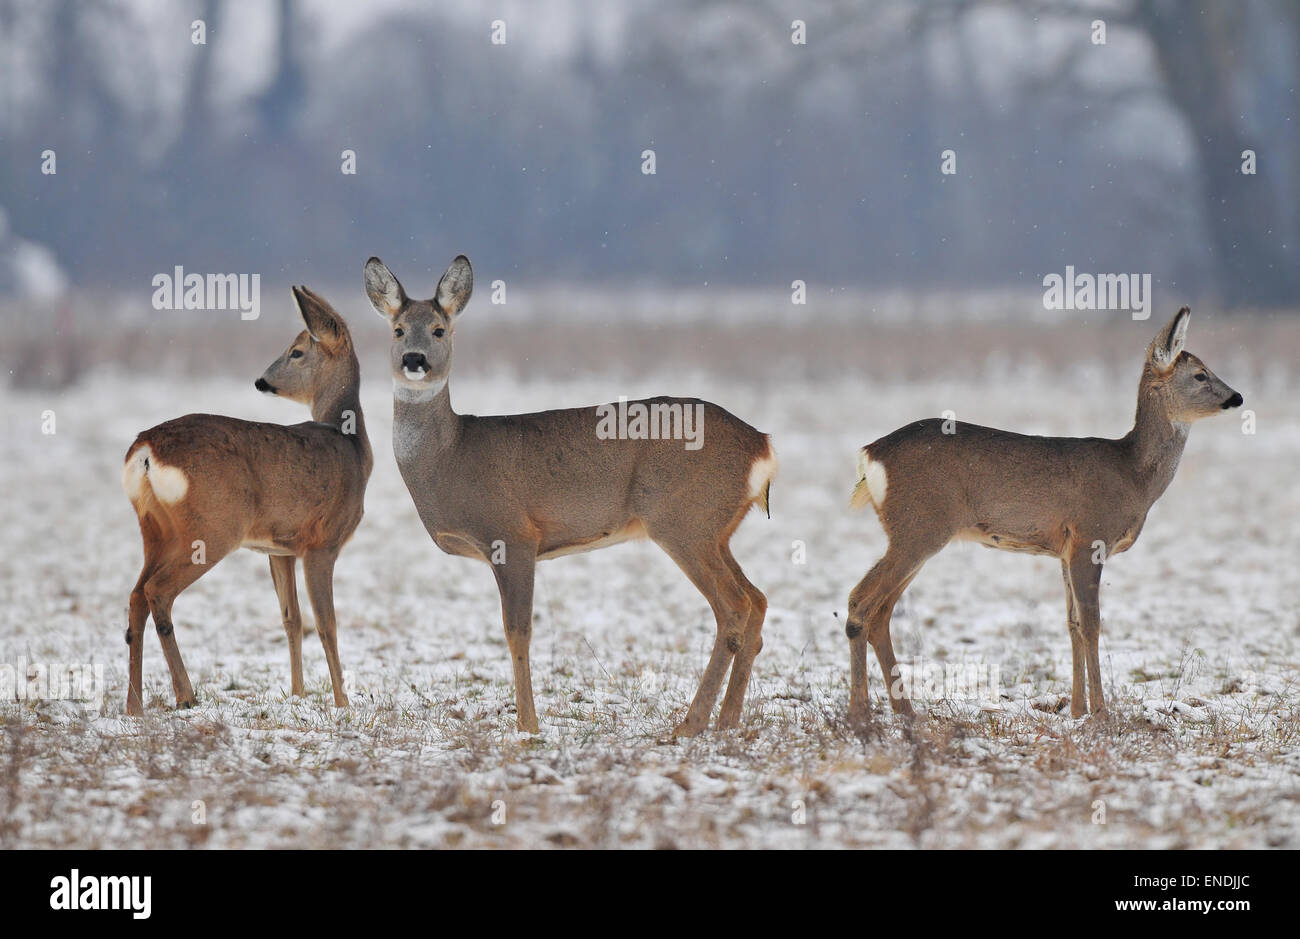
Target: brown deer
{"x":516,"y":489}
{"x":1080,"y":499}
{"x":204,"y":485}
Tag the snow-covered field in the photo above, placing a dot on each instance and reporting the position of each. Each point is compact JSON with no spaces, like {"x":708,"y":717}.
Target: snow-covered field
{"x":1199,"y":648}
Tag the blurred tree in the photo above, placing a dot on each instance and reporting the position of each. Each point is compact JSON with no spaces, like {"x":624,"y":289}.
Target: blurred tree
{"x":1204,"y":62}
{"x":196,"y":108}
{"x":775,"y":160}
{"x":279,"y":105}
{"x":1207,"y":65}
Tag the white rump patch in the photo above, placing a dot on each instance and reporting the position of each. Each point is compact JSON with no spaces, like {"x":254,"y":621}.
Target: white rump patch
{"x":877,"y":482}
{"x":761,"y":473}
{"x":872,"y":477}
{"x":169,"y":483}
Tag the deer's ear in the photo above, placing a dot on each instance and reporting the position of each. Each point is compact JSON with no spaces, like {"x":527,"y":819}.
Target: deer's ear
{"x":455,"y":287}
{"x":322,"y":322}
{"x":1168,"y":343}
{"x":385,"y":293}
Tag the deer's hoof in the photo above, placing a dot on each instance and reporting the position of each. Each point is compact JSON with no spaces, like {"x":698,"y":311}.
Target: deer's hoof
{"x":688,"y":728}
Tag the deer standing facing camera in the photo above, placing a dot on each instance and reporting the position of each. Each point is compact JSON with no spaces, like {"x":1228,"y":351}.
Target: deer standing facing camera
{"x":512,"y":490}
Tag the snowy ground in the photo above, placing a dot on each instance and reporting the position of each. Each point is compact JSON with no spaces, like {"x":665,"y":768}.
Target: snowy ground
{"x":1199,"y":649}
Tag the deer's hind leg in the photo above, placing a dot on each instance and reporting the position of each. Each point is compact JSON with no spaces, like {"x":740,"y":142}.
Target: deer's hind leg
{"x":138,"y":615}
{"x":871,"y":604}
{"x":185,"y":562}
{"x":742,"y":665}
{"x":705,"y":567}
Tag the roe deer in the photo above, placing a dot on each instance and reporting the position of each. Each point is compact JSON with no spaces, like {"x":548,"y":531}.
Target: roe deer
{"x":514,"y":489}
{"x":204,"y":485}
{"x":1075,"y":498}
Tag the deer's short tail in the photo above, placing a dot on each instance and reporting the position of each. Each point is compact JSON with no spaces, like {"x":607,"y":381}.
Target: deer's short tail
{"x":873,"y":482}
{"x":761,"y":473}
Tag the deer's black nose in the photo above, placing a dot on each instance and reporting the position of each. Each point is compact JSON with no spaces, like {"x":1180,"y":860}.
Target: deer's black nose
{"x":1235,"y":401}
{"x":415,"y":361}
{"x":263,"y":385}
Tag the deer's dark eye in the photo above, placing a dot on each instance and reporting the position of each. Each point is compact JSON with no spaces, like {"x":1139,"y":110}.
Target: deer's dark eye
{"x":1199,"y":376}
{"x":438,"y":332}
{"x":399,"y":332}
{"x":296,"y":354}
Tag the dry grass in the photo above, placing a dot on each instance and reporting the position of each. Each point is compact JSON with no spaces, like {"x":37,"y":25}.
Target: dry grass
{"x":51,"y":348}
{"x":379,"y":776}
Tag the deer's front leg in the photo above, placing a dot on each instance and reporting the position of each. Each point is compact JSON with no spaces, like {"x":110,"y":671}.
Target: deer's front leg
{"x":515,"y":581}
{"x":287,"y":592}
{"x":1086,"y":579}
{"x":318,"y":570}
{"x":1078,"y":649}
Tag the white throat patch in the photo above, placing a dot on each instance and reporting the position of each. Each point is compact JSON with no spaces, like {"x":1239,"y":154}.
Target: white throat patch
{"x":404,"y":392}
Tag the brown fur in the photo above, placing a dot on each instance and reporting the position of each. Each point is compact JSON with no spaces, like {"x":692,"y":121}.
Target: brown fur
{"x":289,"y":491}
{"x":1068,"y":497}
{"x":545,"y":484}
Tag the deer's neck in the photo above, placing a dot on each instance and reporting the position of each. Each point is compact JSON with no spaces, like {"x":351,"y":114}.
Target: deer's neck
{"x":425,"y":428}
{"x":1156,"y":441}
{"x":340,"y":407}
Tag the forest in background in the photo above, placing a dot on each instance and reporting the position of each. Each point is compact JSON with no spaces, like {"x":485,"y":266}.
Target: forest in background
{"x":774,"y":160}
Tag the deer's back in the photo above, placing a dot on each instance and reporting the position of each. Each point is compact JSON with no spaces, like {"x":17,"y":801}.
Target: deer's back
{"x":1008,"y":490}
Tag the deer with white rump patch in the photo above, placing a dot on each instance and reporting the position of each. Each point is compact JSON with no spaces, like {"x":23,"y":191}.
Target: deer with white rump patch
{"x":512,"y":490}
{"x":204,"y":485}
{"x":1080,"y":499}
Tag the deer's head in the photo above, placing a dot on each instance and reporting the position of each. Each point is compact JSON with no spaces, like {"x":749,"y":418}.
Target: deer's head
{"x":420,"y":355}
{"x":1186,"y":385}
{"x":320,"y":358}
